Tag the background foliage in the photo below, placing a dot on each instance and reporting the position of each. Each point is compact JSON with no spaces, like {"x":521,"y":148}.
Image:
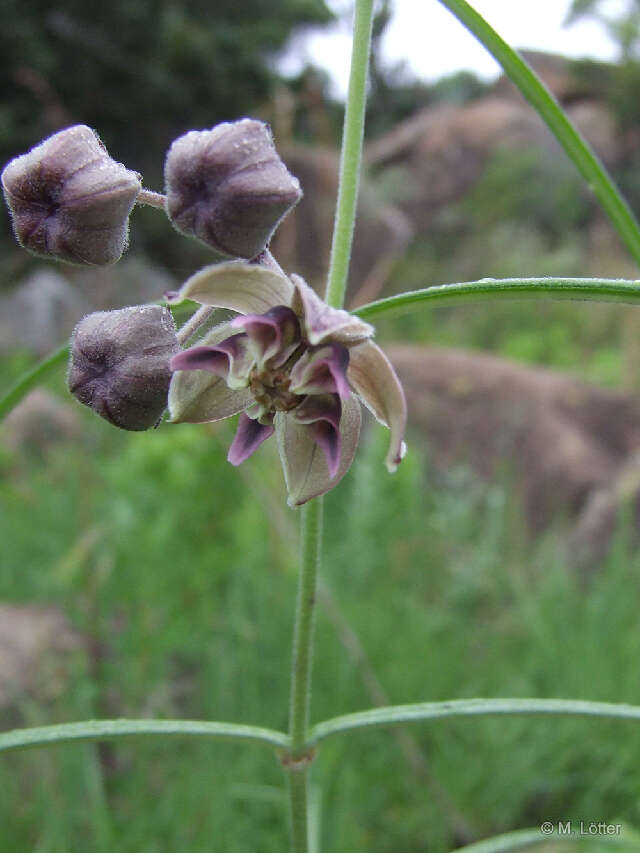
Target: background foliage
{"x":432,"y":587}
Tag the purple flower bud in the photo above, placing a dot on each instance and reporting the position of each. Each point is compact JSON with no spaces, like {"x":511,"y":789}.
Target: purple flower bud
{"x":119,"y":364}
{"x":69,"y":200}
{"x":228,"y":187}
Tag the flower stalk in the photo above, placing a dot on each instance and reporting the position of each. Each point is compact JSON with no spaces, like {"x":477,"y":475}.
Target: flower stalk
{"x":311,"y":542}
{"x":298,"y":759}
{"x":312,"y":517}
{"x":351,"y":156}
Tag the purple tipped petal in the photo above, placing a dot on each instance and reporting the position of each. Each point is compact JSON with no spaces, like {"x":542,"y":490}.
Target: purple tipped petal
{"x":323,"y":323}
{"x":373,"y":378}
{"x":197,"y":396}
{"x":328,"y":439}
{"x":322,"y":414}
{"x":248,"y":438}
{"x":305,"y":467}
{"x":230,"y":359}
{"x":322,"y":371}
{"x":274,"y":334}
{"x":201,"y":358}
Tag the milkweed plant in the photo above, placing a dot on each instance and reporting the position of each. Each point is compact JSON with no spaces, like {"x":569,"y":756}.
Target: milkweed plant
{"x":291,"y":363}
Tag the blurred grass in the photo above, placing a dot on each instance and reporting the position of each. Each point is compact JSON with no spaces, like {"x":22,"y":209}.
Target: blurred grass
{"x":181,"y":570}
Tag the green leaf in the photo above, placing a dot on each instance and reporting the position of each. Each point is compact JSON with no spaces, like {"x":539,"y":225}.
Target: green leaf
{"x":577,"y":148}
{"x":589,"y":289}
{"x":32,"y":378}
{"x":525,"y":838}
{"x":397,"y":714}
{"x":92,"y":730}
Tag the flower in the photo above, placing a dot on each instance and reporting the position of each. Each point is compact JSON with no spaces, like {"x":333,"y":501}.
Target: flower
{"x":228,"y":188}
{"x":119,"y":364}
{"x":292,"y":366}
{"x":69,"y":200}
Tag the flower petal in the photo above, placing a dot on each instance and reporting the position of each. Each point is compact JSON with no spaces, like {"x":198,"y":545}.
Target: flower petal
{"x":321,"y":322}
{"x":322,"y":370}
{"x":305,"y":466}
{"x":322,"y":413}
{"x":248,"y":438}
{"x":272,"y":335}
{"x":231,"y":359}
{"x":196,"y":396}
{"x":373,"y":378}
{"x":245,"y":288}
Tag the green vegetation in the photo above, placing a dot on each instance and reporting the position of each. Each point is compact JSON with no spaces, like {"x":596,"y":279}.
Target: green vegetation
{"x":143,"y":547}
{"x":431,"y":588}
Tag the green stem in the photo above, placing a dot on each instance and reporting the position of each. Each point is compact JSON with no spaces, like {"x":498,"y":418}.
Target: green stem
{"x":311,"y":536}
{"x":31,"y":378}
{"x":558,"y":123}
{"x":298,"y":760}
{"x":581,"y":289}
{"x":351,"y":157}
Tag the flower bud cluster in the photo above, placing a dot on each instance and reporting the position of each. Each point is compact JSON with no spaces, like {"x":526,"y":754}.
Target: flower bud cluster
{"x":69,"y":200}
{"x":289,"y":364}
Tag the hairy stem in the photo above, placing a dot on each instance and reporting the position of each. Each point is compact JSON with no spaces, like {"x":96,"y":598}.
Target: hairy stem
{"x":195,"y":323}
{"x":152,"y":199}
{"x":351,"y":157}
{"x":298,"y":760}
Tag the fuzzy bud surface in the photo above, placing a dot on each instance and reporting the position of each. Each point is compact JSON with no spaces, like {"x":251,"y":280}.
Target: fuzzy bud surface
{"x":119,"y":364}
{"x":228,"y":187}
{"x":69,"y":200}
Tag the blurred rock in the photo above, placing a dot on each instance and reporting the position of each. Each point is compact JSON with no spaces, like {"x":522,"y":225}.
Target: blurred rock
{"x":443,"y":149}
{"x":566,"y":442}
{"x":133,"y":281}
{"x":41,"y":421}
{"x":555,"y":71}
{"x":606,"y":508}
{"x":39,"y":313}
{"x":302,"y":244}
{"x":37,"y":645}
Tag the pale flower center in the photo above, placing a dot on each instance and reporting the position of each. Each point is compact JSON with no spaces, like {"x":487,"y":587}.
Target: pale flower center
{"x":270,"y":388}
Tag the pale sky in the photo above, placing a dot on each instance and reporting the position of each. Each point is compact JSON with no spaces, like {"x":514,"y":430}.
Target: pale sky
{"x":434,"y":43}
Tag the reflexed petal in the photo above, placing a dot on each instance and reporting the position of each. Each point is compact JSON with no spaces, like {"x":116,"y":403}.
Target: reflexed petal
{"x":273,"y":335}
{"x":245,"y":288}
{"x":321,"y":322}
{"x":196,"y":396}
{"x":248,"y":438}
{"x":322,"y":371}
{"x":304,"y":464}
{"x":373,"y":378}
{"x":231,"y":359}
{"x":322,"y":413}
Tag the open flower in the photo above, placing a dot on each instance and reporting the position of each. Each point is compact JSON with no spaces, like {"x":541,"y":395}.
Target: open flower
{"x":292,"y":365}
